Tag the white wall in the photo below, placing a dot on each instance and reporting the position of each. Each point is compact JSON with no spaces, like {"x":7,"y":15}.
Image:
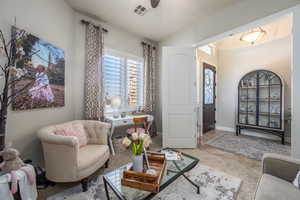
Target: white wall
{"x":51,"y":21}
{"x":235,"y":63}
{"x":232,"y":17}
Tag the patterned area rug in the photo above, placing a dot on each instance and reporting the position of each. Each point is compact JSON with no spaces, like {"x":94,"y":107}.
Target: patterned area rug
{"x":214,"y":185}
{"x":251,"y":147}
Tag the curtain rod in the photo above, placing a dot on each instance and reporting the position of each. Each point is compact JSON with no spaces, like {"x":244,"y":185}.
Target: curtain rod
{"x":87,"y":23}
{"x":145,"y":43}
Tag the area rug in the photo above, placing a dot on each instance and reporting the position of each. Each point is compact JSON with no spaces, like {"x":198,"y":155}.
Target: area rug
{"x":249,"y":146}
{"x":214,"y":185}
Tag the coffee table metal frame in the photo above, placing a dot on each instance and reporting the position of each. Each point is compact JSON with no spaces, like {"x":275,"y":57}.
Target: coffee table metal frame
{"x":180,"y":172}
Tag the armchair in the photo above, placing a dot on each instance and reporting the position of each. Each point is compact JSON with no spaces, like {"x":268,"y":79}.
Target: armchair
{"x":278,"y":174}
{"x":65,"y":161}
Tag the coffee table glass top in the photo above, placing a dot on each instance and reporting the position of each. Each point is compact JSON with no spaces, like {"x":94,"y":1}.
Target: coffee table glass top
{"x":173,"y":170}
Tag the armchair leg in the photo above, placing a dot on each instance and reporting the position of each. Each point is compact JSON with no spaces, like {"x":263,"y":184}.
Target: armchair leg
{"x":106,"y":163}
{"x":84,"y":184}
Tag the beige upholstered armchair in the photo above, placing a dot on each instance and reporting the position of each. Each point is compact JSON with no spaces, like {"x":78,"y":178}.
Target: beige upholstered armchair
{"x":278,"y":174}
{"x":65,"y":161}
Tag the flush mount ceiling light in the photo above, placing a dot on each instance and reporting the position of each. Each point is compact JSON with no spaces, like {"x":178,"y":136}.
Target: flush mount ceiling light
{"x":253,"y":35}
{"x":154,"y":3}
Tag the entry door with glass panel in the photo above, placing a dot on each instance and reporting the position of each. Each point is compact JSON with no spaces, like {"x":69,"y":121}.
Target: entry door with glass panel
{"x":209,"y":97}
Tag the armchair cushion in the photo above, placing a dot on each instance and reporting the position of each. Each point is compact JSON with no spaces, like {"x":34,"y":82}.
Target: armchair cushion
{"x":74,"y":129}
{"x":90,"y":154}
{"x":97,"y":132}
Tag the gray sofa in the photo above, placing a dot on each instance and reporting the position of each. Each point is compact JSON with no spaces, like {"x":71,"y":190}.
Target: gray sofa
{"x":276,"y":182}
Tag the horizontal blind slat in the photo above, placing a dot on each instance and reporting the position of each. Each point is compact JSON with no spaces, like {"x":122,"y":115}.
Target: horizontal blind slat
{"x":113,"y":71}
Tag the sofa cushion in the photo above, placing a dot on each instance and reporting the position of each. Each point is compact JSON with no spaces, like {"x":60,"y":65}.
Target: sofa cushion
{"x":90,"y":154}
{"x":73,"y":129}
{"x":273,"y":188}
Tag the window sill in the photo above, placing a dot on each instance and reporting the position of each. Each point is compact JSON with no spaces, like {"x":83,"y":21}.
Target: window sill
{"x":109,"y":111}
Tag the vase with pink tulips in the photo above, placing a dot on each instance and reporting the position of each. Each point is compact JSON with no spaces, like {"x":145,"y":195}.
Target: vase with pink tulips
{"x":138,"y":143}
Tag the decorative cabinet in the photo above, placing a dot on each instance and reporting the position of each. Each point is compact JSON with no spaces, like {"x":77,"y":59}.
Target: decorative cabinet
{"x":260,"y":103}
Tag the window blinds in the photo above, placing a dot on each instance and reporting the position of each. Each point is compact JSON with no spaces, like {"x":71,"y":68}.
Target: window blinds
{"x":134,"y":82}
{"x":124,"y":78}
{"x":113,"y":75}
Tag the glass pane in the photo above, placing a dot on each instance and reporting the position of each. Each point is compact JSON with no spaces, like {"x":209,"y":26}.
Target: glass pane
{"x":113,"y":72}
{"x":264,"y":107}
{"x":134,"y":82}
{"x":251,"y":119}
{"x":242,"y":119}
{"x":263,"y":120}
{"x":275,"y":93}
{"x":209,"y":86}
{"x":274,"y":80}
{"x":249,"y":81}
{"x":274,"y":122}
{"x":264,"y":78}
{"x":251,"y":107}
{"x":275,"y":108}
{"x":251,"y":112}
{"x":243,"y":107}
{"x":267,"y":78}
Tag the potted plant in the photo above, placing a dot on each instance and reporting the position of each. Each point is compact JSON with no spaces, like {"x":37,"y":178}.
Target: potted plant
{"x":138,"y":143}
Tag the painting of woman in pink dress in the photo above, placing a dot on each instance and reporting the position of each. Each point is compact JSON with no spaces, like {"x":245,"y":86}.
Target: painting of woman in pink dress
{"x":41,"y":90}
{"x":43,"y":84}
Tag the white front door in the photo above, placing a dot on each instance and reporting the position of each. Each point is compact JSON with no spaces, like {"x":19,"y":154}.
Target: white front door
{"x":179,"y":97}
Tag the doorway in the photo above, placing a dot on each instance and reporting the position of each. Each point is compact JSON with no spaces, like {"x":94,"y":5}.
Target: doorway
{"x":209,"y":97}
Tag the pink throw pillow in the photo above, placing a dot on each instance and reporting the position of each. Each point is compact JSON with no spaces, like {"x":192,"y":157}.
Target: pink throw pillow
{"x":76,"y":130}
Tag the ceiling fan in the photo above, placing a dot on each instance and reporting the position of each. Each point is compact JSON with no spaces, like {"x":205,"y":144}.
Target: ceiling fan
{"x":154,"y":3}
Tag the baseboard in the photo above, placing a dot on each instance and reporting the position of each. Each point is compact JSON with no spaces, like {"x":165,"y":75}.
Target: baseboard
{"x":224,"y":128}
{"x":251,"y":133}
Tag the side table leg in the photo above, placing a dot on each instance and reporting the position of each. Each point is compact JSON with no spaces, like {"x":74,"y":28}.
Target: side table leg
{"x":110,"y":141}
{"x":106,"y":189}
{"x":111,"y":146}
{"x":282,"y":138}
{"x":194,"y":184}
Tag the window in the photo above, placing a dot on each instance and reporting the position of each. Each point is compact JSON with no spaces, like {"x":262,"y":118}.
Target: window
{"x":123,"y":77}
{"x":134,"y":82}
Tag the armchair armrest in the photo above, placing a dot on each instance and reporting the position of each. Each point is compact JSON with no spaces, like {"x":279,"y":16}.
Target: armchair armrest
{"x":97,"y":131}
{"x":283,"y":167}
{"x":51,"y":138}
{"x":60,"y":152}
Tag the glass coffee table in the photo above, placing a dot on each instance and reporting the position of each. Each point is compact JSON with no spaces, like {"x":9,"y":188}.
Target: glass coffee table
{"x":116,"y":191}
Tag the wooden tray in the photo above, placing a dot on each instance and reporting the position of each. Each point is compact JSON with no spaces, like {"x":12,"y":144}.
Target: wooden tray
{"x":143,"y":181}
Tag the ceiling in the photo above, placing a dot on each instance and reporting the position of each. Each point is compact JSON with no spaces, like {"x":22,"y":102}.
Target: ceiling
{"x":276,"y":30}
{"x":157,"y":24}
